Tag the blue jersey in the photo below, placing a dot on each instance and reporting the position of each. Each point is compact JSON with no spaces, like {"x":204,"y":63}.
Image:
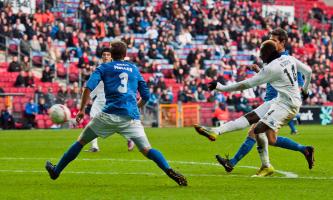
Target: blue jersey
{"x":121,"y":80}
{"x":271,"y":93}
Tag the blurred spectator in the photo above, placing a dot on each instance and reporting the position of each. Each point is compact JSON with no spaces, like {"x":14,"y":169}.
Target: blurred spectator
{"x":25,"y":45}
{"x":30,"y":111}
{"x":161,"y":84}
{"x":39,"y":93}
{"x":50,"y":99}
{"x":62,"y":95}
{"x":42,"y":107}
{"x":241,"y":104}
{"x":178,"y":72}
{"x":152,"y":102}
{"x":152,"y":32}
{"x":189,"y":95}
{"x":153,"y":52}
{"x":185,"y":37}
{"x":14,"y":66}
{"x":26,"y":64}
{"x":20,"y":80}
{"x":316,"y":12}
{"x":1,"y":90}
{"x":181,"y":96}
{"x":6,"y":119}
{"x":211,"y":72}
{"x":75,"y":93}
{"x":221,"y":115}
{"x":29,"y":80}
{"x":34,"y":44}
{"x":199,"y":95}
{"x":83,"y":61}
{"x":47,"y":75}
{"x":203,"y":85}
{"x":165,"y":98}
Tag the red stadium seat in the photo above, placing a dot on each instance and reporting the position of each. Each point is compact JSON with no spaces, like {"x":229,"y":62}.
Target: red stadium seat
{"x":40,"y":124}
{"x":39,"y":117}
{"x":48,"y":123}
{"x":17,"y":107}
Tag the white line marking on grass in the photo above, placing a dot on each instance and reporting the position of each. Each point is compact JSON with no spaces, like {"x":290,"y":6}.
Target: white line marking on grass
{"x":155,"y":174}
{"x":285,"y":173}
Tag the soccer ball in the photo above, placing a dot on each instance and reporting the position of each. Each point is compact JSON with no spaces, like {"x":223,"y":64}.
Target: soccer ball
{"x":59,"y":114}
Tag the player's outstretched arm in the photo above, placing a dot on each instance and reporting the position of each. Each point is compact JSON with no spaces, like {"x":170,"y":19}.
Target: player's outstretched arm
{"x":84,"y":100}
{"x":264,"y":76}
{"x":143,"y":90}
{"x":307,"y":72}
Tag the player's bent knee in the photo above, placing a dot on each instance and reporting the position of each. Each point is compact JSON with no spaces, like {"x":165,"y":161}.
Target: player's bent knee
{"x":260,"y":127}
{"x":271,"y":141}
{"x":145,"y":150}
{"x":142,"y":143}
{"x":86,"y":136}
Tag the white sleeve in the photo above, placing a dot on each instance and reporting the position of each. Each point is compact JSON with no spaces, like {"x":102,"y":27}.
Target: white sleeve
{"x":263,"y":76}
{"x":306,"y":71}
{"x":94,"y":93}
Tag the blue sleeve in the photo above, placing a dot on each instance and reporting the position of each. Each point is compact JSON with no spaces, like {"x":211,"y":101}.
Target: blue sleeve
{"x":143,"y":88}
{"x":300,"y":79}
{"x":27,"y":108}
{"x":95,"y":78}
{"x":36,"y":108}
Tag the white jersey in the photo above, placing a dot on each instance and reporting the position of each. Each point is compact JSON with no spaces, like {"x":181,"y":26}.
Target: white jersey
{"x":100,"y":100}
{"x":98,"y":92}
{"x":281,"y":73}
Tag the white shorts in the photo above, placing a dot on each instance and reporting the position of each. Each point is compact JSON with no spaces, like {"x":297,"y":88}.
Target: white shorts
{"x":278,"y":115}
{"x":263,"y":109}
{"x":105,"y":125}
{"x":96,"y":108}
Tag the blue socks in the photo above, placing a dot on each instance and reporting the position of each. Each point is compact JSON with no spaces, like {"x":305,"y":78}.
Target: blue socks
{"x":292,"y":126}
{"x":158,"y":158}
{"x":70,"y":155}
{"x":244,"y":149}
{"x":282,"y":142}
{"x":287,"y":143}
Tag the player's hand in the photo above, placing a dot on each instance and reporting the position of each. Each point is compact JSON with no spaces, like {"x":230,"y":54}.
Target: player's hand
{"x":304,"y":94}
{"x":79,"y":116}
{"x":254,"y":67}
{"x":212,"y":85}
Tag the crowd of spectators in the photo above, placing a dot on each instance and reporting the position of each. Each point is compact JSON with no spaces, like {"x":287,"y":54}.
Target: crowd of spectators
{"x":168,"y":27}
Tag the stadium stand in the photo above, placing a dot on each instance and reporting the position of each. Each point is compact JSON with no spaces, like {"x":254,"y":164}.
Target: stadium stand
{"x":188,"y":43}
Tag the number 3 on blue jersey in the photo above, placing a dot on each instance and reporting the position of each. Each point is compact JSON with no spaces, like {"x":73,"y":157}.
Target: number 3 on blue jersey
{"x":123,"y":82}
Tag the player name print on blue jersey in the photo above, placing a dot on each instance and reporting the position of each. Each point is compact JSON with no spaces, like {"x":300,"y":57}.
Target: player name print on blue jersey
{"x":120,"y":66}
{"x":122,"y":80}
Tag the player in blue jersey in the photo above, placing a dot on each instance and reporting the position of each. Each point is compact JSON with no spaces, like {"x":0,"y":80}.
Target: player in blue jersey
{"x":99,"y":102}
{"x":122,"y":80}
{"x":280,"y":37}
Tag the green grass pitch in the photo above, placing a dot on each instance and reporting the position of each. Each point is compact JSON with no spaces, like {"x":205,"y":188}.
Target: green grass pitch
{"x":115,"y":173}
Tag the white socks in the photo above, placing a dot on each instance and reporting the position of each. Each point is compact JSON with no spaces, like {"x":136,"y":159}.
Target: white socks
{"x":94,"y":144}
{"x":237,"y":124}
{"x":263,"y":149}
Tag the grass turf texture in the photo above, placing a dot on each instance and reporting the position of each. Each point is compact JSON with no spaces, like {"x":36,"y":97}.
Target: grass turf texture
{"x":115,"y":173}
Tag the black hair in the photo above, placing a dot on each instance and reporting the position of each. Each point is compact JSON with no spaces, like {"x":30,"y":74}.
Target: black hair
{"x":268,"y":51}
{"x":281,"y":34}
{"x":106,"y":49}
